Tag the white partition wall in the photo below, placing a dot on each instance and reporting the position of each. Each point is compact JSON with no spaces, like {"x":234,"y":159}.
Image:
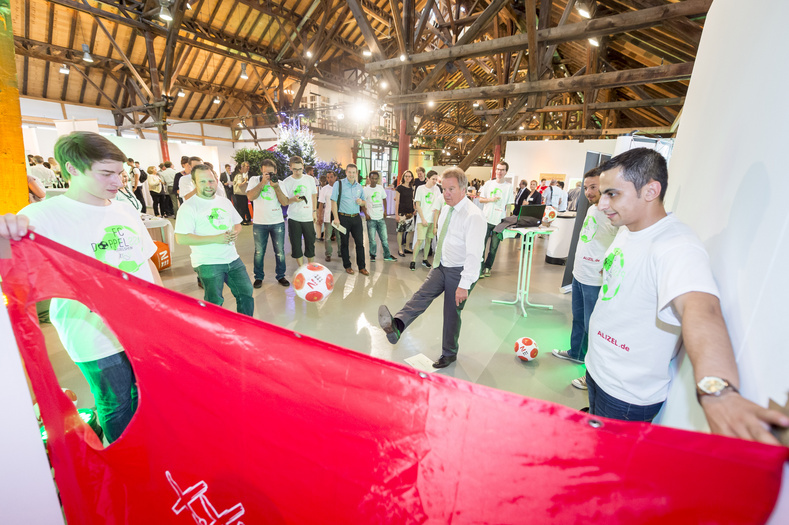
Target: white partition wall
{"x":728,"y":181}
{"x":529,"y":158}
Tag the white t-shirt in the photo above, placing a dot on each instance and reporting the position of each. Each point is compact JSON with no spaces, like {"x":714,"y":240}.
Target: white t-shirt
{"x":495,"y":212}
{"x":268,"y":210}
{"x":114,"y":235}
{"x":374,"y":198}
{"x":185,"y":185}
{"x":43,"y":174}
{"x":325,"y":197}
{"x":596,"y":236}
{"x":428,"y":199}
{"x":208,"y":217}
{"x":305,"y":186}
{"x":634,"y":331}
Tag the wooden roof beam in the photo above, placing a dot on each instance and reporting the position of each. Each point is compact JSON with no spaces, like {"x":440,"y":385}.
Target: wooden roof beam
{"x":556,"y":35}
{"x":372,"y":41}
{"x":647,"y":75}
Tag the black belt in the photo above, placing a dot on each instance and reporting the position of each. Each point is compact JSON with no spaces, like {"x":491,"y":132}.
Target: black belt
{"x":349,"y":214}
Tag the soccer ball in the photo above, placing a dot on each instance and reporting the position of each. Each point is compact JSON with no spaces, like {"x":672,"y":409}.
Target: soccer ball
{"x":549,"y":215}
{"x":526,"y":349}
{"x":313,"y":282}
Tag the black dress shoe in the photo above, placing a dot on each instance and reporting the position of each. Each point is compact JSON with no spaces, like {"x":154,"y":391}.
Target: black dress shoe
{"x":444,"y":361}
{"x":387,"y":322}
{"x":283,"y":282}
{"x":258,"y":283}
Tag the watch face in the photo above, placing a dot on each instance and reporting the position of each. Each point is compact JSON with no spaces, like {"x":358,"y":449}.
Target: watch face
{"x":712,"y":385}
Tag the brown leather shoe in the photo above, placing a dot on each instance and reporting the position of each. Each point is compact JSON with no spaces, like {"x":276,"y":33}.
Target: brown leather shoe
{"x":364,"y":271}
{"x":328,"y":258}
{"x":349,"y":271}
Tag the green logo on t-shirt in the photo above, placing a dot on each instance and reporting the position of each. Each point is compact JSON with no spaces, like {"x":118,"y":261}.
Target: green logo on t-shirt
{"x":495,"y":192}
{"x":118,"y":247}
{"x":429,"y":197}
{"x":219,"y":219}
{"x":613,"y":274}
{"x":301,"y":189}
{"x":375,"y":198}
{"x":267,"y":193}
{"x":589,"y":230}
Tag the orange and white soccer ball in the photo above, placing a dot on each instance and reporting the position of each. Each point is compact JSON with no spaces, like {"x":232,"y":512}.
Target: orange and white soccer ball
{"x":313,"y":282}
{"x":550,"y":214}
{"x":526,"y":349}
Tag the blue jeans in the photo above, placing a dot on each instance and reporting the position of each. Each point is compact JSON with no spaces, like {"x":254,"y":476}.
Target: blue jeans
{"x":584,"y":299}
{"x":495,"y":240}
{"x":114,"y":389}
{"x":378,"y":225}
{"x":260,"y":233}
{"x":605,"y":405}
{"x":213,"y":277}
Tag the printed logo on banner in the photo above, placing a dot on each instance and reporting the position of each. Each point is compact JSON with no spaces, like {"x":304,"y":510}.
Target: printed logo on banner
{"x":204,"y":513}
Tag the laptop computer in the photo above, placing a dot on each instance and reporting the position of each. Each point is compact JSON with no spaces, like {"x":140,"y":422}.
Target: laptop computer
{"x":532,"y":210}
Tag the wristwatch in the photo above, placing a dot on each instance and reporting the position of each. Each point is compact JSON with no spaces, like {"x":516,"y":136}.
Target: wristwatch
{"x":713,"y":386}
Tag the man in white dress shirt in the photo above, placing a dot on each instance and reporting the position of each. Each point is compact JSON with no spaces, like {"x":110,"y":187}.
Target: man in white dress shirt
{"x":456,"y":267}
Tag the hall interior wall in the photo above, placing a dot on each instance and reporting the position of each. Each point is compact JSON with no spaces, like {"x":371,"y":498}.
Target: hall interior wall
{"x":530,"y":158}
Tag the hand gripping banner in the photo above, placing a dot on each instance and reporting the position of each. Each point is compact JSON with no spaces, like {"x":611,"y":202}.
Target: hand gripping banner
{"x":243,"y":422}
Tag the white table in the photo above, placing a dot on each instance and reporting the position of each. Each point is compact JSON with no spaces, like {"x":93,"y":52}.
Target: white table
{"x":160,"y":230}
{"x":524,"y":265}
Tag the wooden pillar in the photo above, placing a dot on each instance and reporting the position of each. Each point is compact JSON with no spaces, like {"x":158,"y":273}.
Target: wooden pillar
{"x":13,"y":176}
{"x":496,"y":156}
{"x":404,"y":151}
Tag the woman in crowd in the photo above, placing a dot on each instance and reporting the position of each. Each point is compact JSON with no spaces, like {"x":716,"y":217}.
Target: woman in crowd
{"x":534,"y":196}
{"x":126,"y":195}
{"x":404,"y":203}
{"x":158,"y":191}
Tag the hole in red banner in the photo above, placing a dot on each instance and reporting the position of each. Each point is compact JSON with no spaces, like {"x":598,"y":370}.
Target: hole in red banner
{"x":90,"y":366}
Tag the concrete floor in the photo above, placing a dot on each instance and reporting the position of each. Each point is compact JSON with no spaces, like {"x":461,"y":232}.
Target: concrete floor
{"x":349,"y":318}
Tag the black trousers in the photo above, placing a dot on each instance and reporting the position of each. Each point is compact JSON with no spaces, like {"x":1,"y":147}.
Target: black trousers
{"x":242,"y":207}
{"x":297,"y":230}
{"x":138,"y":194}
{"x":354,"y":228}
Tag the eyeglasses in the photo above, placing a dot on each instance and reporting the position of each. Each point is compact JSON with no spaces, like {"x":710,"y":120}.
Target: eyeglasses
{"x":297,"y":169}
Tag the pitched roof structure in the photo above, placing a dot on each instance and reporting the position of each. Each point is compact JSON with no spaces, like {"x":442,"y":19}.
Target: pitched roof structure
{"x":470,"y":69}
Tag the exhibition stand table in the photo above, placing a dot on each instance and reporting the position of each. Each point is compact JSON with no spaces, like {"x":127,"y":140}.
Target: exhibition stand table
{"x":524,"y":264}
{"x":160,"y":229}
{"x":558,"y":248}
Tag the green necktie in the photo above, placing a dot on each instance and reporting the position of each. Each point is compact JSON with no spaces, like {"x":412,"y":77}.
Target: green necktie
{"x":441,"y":236}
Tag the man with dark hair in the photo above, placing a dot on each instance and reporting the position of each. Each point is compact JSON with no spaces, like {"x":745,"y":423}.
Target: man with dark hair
{"x":43,"y":174}
{"x":302,"y":194}
{"x":168,"y":177}
{"x":88,"y":219}
{"x":209,"y":225}
{"x":573,"y":196}
{"x":461,"y":227}
{"x":375,"y":209}
{"x":496,"y":195}
{"x":347,"y":199}
{"x":563,"y":205}
{"x":186,"y":174}
{"x":187,"y":185}
{"x":596,"y":236}
{"x":658,"y":286}
{"x":325,"y":214}
{"x":135,"y":183}
{"x":268,"y":199}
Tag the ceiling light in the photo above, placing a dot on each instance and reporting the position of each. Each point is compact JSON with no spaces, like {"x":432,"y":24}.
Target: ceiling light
{"x":462,"y":9}
{"x":340,"y":116}
{"x":164,"y":14}
{"x":583,"y":12}
{"x":460,"y":139}
{"x":244,"y":72}
{"x":546,"y":139}
{"x":64,"y":69}
{"x":475,"y":104}
{"x":216,"y":100}
{"x":367,"y":53}
{"x":402,"y":58}
{"x":188,"y":5}
{"x":430,"y":103}
{"x":384,"y":84}
{"x":309,"y":54}
{"x":594,"y":42}
{"x":520,"y":127}
{"x":86,"y":54}
{"x":181,"y":94}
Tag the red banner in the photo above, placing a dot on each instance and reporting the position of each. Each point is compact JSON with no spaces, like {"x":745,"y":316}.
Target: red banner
{"x":241,"y":421}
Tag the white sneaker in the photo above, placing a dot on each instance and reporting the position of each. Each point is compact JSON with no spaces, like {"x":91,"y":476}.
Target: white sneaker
{"x":564,"y":354}
{"x":580,"y":383}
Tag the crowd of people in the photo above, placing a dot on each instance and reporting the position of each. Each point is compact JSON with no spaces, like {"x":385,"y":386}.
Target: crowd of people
{"x":642,"y":278}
